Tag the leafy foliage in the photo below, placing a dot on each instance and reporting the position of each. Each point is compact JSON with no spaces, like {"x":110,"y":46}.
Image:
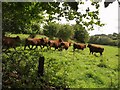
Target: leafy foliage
{"x":107,"y":2}
{"x":81,"y":35}
{"x":22,"y":15}
{"x":18,"y":17}
{"x":65,"y":32}
{"x":110,"y":39}
{"x":51,"y":30}
{"x":35,"y":29}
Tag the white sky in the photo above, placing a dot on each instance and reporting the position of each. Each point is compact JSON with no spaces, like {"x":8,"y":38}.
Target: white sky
{"x":109,"y":16}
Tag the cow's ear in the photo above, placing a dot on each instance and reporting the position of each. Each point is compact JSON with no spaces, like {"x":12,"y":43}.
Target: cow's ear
{"x":17,"y":37}
{"x":60,"y":40}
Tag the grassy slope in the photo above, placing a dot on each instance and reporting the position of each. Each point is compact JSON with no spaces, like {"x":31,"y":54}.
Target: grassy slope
{"x":88,"y":71}
{"x":78,"y":69}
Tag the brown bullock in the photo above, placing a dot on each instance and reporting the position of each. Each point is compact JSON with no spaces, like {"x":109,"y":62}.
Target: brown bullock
{"x":55,"y":43}
{"x":45,"y":42}
{"x":65,"y":45}
{"x":95,"y":48}
{"x":79,"y":46}
{"x":34,"y":42}
{"x":10,"y":42}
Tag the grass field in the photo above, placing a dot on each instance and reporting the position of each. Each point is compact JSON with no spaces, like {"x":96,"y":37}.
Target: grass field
{"x":64,"y":68}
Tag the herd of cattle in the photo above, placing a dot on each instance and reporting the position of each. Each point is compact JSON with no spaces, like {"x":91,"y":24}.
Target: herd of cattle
{"x":8,"y":42}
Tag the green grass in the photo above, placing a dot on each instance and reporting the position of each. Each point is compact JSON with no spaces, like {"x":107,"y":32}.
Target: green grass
{"x":65,"y":68}
{"x":23,"y":36}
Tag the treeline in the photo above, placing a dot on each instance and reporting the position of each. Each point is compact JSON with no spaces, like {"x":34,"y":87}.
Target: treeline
{"x":64,"y":31}
{"x":110,"y":39}
{"x":54,"y":30}
{"x":76,"y":32}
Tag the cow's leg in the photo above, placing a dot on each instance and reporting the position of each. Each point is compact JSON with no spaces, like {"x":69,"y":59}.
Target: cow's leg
{"x":56,"y":48}
{"x":49,"y":48}
{"x":25,"y":46}
{"x":41,"y":46}
{"x":61,"y":49}
{"x":6,"y":49}
{"x":46,"y":46}
{"x":92,"y":52}
{"x":100,"y":53}
{"x":14,"y":48}
{"x":31,"y":47}
{"x":73,"y":49}
{"x":36,"y":46}
{"x":3,"y":47}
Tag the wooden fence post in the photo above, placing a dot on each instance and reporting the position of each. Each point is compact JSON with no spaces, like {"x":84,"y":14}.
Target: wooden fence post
{"x":41,"y":66}
{"x":41,"y":70}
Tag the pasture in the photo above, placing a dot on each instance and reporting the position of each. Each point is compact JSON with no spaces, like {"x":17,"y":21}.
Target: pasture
{"x":65,"y":68}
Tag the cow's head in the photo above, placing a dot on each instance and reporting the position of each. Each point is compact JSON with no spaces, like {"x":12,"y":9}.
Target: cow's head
{"x":60,"y":40}
{"x":18,"y":38}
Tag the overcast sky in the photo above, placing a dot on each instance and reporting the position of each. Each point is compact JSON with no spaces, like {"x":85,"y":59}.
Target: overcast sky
{"x":109,"y":16}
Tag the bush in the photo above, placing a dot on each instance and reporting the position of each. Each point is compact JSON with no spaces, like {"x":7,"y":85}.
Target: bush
{"x":113,"y":43}
{"x":110,"y":39}
{"x":35,"y":29}
{"x":65,"y":32}
{"x":81,"y":35}
{"x":107,"y":41}
{"x":104,"y":40}
{"x":51,"y":29}
{"x":58,"y":30}
{"x":92,"y":39}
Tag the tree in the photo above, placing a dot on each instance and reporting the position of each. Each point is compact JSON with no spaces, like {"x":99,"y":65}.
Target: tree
{"x":105,"y":39}
{"x":65,"y":32}
{"x":18,"y":17}
{"x":81,"y":35}
{"x":107,"y":2}
{"x":51,"y":29}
